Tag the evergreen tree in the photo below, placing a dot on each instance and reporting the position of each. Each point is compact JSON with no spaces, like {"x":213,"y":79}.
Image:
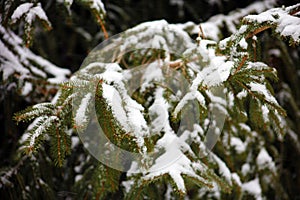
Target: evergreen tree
{"x":221,"y":80}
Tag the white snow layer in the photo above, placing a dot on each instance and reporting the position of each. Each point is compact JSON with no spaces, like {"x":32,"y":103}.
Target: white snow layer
{"x":238,"y":144}
{"x":223,"y":169}
{"x":156,"y":35}
{"x":74,"y":141}
{"x":191,"y":95}
{"x":30,"y":12}
{"x":98,"y":5}
{"x":21,"y":10}
{"x":218,"y":72}
{"x":21,"y":60}
{"x":242,"y":94}
{"x":265,"y":160}
{"x":126,"y":110}
{"x":158,"y":111}
{"x":243,"y":44}
{"x":174,"y":162}
{"x":265,"y":112}
{"x":253,"y":187}
{"x":42,"y":129}
{"x":236,"y":178}
{"x":211,"y":27}
{"x":114,"y":100}
{"x":212,"y":75}
{"x":262,"y":89}
{"x":245,"y":169}
{"x":287,"y":24}
{"x":81,"y":113}
{"x":152,"y":73}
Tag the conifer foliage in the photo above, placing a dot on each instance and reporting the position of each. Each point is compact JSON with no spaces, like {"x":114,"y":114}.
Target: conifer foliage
{"x":193,"y":95}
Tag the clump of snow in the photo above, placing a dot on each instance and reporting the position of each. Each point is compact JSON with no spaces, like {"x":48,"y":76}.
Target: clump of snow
{"x":242,"y":94}
{"x":168,"y":192}
{"x":218,"y":72}
{"x":160,"y":108}
{"x":265,"y":112}
{"x":274,"y":52}
{"x":78,"y":177}
{"x":98,"y":5}
{"x":253,"y":187}
{"x":127,"y":185}
{"x":238,"y":144}
{"x":212,"y":27}
{"x":265,"y":160}
{"x":191,"y":95}
{"x":172,"y":161}
{"x":59,"y":74}
{"x":245,"y":127}
{"x":215,"y":73}
{"x":243,"y":44}
{"x":177,"y":2}
{"x":245,"y":169}
{"x":236,"y":179}
{"x":74,"y":141}
{"x":26,"y":89}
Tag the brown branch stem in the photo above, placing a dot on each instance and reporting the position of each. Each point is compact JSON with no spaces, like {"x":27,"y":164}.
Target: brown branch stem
{"x":102,"y":26}
{"x":256,"y":31}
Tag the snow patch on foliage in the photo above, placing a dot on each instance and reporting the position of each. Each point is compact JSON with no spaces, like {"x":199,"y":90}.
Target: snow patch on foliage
{"x":265,"y":112}
{"x":41,"y":129}
{"x":287,"y":25}
{"x":212,"y":27}
{"x":21,"y":10}
{"x":236,"y":179}
{"x":174,"y":163}
{"x":265,"y":160}
{"x":114,"y":100}
{"x":238,"y":144}
{"x":81,"y":115}
{"x":126,"y":110}
{"x":242,"y":94}
{"x":156,"y":35}
{"x":253,"y":187}
{"x":20,"y":60}
{"x":243,"y":44}
{"x":261,"y":89}
{"x":191,"y":95}
{"x":153,"y":73}
{"x":98,"y":5}
{"x":30,"y":12}
{"x":245,"y":169}
{"x":223,"y":169}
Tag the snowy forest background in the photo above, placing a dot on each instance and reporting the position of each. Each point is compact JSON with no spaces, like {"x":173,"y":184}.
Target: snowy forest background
{"x":251,"y":161}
